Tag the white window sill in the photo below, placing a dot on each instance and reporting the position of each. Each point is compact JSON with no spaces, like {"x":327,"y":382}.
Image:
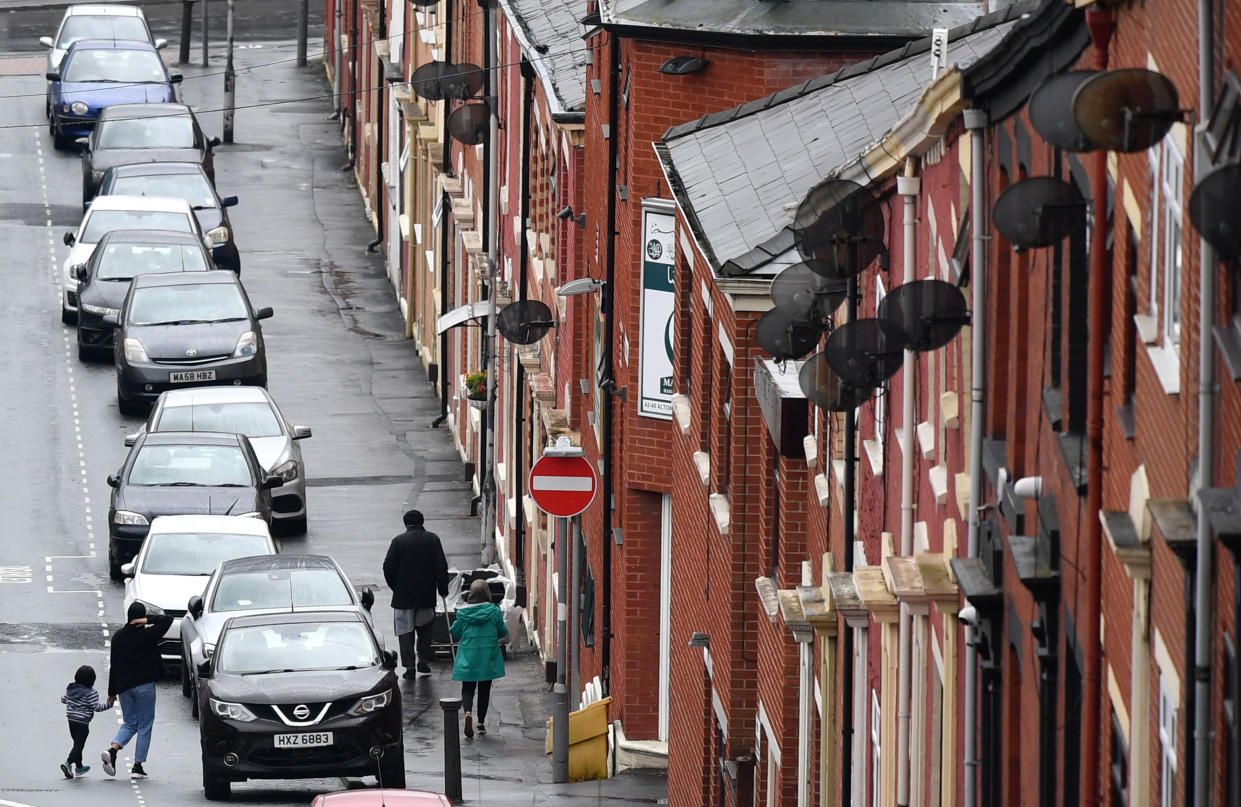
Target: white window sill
{"x":720,"y":509}
{"x":822,"y":490}
{"x":681,"y":411}
{"x":811,"y":446}
{"x":1167,"y":366}
{"x":874,"y":453}
{"x":1148,"y":328}
{"x":702,"y":461}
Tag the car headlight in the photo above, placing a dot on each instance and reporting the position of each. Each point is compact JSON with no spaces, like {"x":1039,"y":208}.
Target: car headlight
{"x":371,"y":703}
{"x":247,"y":345}
{"x":231,"y":711}
{"x":217,"y":236}
{"x":287,"y":471}
{"x":130,"y":518}
{"x":135,"y":353}
{"x":100,"y":310}
{"x":251,"y":514}
{"x":79,"y":108}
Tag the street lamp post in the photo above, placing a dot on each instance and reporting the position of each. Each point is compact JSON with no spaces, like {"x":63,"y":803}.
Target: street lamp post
{"x":230,"y":82}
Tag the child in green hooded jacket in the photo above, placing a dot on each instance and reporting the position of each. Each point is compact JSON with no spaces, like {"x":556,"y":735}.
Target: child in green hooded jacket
{"x":478,"y":628}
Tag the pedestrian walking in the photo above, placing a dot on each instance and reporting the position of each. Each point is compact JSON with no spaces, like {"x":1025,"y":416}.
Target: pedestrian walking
{"x":81,"y":702}
{"x":478,"y":628}
{"x":416,"y":571}
{"x":136,"y":666}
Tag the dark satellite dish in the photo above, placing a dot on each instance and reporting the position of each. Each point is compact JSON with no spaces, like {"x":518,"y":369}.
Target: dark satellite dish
{"x":784,"y":338}
{"x":823,"y":388}
{"x":1126,"y":110}
{"x":930,"y":312}
{"x":1214,"y":210}
{"x":424,"y":3}
{"x":865,"y":352}
{"x":462,"y":81}
{"x":428,"y":80}
{"x":468,"y":123}
{"x":525,"y":321}
{"x":804,"y":295}
{"x":1051,"y":110}
{"x":838,"y":228}
{"x":1038,"y":212}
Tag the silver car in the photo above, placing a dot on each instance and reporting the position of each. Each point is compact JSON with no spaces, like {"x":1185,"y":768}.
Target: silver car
{"x":250,"y":411}
{"x":261,"y":585}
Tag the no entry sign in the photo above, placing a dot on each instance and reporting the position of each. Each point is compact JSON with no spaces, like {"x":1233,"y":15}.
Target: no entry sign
{"x":562,"y":486}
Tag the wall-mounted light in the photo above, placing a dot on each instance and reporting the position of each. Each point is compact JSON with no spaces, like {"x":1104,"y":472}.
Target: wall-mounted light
{"x":683,"y":65}
{"x":582,"y":285}
{"x":699,"y":639}
{"x":566,"y":213}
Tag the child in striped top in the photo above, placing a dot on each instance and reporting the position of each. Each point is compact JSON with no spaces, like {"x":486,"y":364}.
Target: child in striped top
{"x":81,"y":702}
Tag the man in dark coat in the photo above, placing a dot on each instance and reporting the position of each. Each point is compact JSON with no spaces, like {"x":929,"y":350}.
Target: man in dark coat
{"x":415,"y":569}
{"x":136,"y":666}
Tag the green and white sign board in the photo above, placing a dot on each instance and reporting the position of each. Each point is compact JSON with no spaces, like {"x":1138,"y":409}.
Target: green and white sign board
{"x":658,"y":304}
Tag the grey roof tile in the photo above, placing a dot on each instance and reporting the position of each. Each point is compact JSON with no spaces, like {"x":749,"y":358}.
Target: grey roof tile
{"x":554,"y":25}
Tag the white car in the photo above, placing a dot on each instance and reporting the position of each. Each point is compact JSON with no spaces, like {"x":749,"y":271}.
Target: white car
{"x":179,"y":555}
{"x":95,"y":21}
{"x":249,"y":411}
{"x":108,"y":213}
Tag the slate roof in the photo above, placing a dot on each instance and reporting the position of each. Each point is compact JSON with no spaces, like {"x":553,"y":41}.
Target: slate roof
{"x":739,"y":174}
{"x":859,"y":18}
{"x":553,"y":25}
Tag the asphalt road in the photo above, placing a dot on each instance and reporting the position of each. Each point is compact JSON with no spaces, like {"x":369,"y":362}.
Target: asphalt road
{"x":337,"y":362}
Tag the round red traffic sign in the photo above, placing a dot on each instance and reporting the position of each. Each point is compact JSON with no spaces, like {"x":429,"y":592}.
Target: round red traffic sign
{"x":562,"y":486}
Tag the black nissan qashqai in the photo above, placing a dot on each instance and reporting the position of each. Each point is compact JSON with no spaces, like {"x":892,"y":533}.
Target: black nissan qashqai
{"x":299,"y":695}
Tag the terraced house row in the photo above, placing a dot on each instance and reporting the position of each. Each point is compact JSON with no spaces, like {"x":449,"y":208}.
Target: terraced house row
{"x":991,"y":565}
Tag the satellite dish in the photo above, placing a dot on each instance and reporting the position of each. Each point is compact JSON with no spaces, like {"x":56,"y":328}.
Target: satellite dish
{"x":468,"y":123}
{"x":1126,"y":110}
{"x":1038,"y":212}
{"x":839,"y":228}
{"x":428,"y":80}
{"x":462,"y":81}
{"x":785,"y":338}
{"x":823,"y":388}
{"x":1214,"y":211}
{"x":525,"y":321}
{"x":1051,"y":110}
{"x":930,"y":312}
{"x":424,"y":3}
{"x":804,"y":295}
{"x":865,"y":352}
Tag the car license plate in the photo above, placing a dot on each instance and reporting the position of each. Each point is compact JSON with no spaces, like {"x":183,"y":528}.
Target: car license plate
{"x":310,"y":739}
{"x":191,"y":376}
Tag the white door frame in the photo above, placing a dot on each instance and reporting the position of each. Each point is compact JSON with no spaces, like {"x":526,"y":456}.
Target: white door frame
{"x":665,"y":612}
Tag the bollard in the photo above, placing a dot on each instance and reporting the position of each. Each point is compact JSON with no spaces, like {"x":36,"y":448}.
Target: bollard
{"x":302,"y":15}
{"x":187,"y":19}
{"x":452,"y":749}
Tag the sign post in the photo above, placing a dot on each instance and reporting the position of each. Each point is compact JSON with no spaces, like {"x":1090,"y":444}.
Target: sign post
{"x":562,"y":484}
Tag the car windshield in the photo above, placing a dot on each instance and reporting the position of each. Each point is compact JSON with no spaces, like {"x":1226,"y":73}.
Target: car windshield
{"x":158,"y":132}
{"x":110,"y":26}
{"x":296,"y":647}
{"x":191,"y":466}
{"x":101,"y":222}
{"x":197,"y":553}
{"x":253,"y":419}
{"x":122,"y":65}
{"x":186,"y":304}
{"x":127,"y":261}
{"x":195,"y":189}
{"x":280,"y":589}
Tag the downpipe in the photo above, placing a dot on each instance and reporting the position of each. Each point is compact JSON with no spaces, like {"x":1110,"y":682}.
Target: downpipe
{"x":491,"y":249}
{"x":445,"y":206}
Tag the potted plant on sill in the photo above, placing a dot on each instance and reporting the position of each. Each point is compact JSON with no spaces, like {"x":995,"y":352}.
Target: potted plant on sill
{"x":476,"y":388}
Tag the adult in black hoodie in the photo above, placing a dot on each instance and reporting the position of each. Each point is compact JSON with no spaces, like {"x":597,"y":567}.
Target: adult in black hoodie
{"x":136,"y":666}
{"x":415,"y":570}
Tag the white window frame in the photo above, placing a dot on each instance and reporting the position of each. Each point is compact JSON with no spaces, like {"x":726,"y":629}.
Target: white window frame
{"x":876,"y":749}
{"x":1172,"y":189}
{"x":1167,"y":744}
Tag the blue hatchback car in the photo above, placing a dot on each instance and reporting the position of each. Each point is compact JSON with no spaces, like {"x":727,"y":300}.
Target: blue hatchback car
{"x":96,"y":73}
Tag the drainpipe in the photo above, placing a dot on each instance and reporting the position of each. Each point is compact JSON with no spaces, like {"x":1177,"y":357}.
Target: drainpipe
{"x":608,"y":302}
{"x":519,"y":397}
{"x":445,"y":207}
{"x":846,"y":742}
{"x":1102,"y":23}
{"x":1206,"y":428}
{"x":486,"y":464}
{"x":336,"y":48}
{"x":975,"y":122}
{"x":908,"y":187}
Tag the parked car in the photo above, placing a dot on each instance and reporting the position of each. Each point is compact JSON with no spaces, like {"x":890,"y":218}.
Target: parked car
{"x":111,"y":21}
{"x":297,"y":696}
{"x":98,"y":73}
{"x":119,"y":213}
{"x":249,"y":411}
{"x":143,"y":133}
{"x":188,"y":181}
{"x":187,"y":329}
{"x":177,"y":557}
{"x":120,"y":256}
{"x":259,"y":585}
{"x":182,"y":473}
{"x":381,"y":797}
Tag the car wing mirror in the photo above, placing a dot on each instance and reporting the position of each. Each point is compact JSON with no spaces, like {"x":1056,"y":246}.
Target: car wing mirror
{"x":46,"y":41}
{"x":175,"y":78}
{"x":272,"y":482}
{"x":367,"y":597}
{"x":195,"y":606}
{"x":80,"y":272}
{"x":301,"y":432}
{"x":112,"y":319}
{"x":82,"y":141}
{"x":113,"y":481}
{"x":264,"y":313}
{"x":228,"y":201}
{"x":160,"y":44}
{"x":69,"y":239}
{"x":130,"y":439}
{"x":213,"y":142}
{"x":52,"y":75}
{"x":127,"y":569}
{"x":204,"y":670}
{"x":389,"y":659}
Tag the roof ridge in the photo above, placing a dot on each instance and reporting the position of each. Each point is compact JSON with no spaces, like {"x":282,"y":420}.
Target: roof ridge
{"x":912,"y":48}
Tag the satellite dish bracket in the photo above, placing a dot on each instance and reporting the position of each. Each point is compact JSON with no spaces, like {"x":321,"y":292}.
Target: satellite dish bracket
{"x":1132,"y":116}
